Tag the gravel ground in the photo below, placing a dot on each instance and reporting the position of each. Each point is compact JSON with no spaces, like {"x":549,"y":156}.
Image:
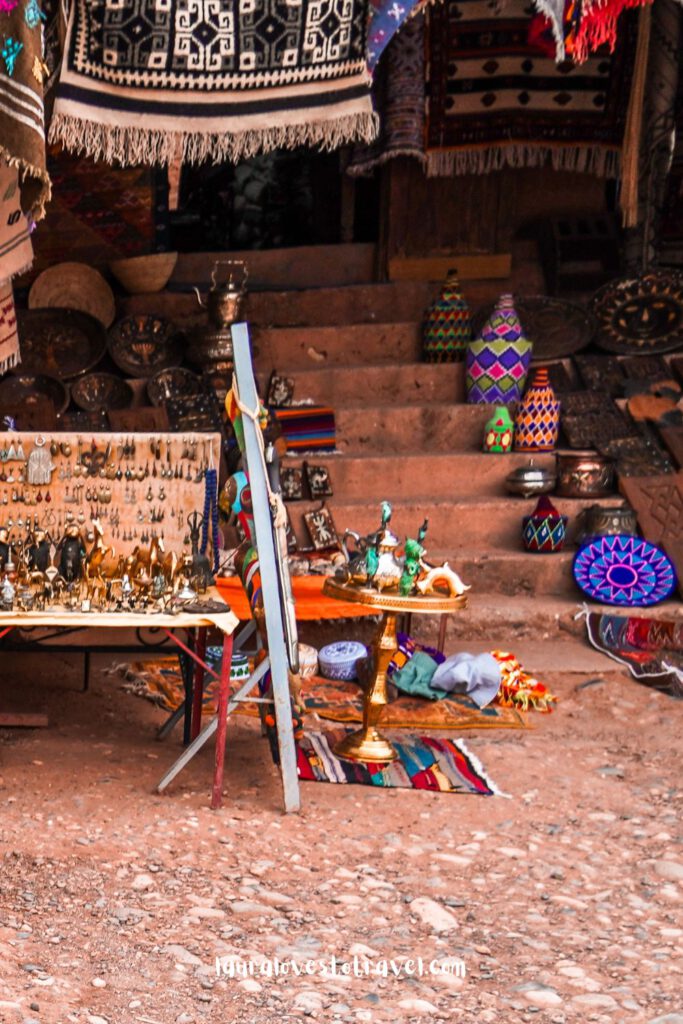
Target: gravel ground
{"x":562,"y":903}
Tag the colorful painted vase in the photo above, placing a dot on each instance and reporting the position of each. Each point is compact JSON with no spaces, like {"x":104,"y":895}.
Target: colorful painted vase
{"x":499,"y":431}
{"x":537,"y":423}
{"x":498,"y":360}
{"x":545,"y":529}
{"x":447,"y":328}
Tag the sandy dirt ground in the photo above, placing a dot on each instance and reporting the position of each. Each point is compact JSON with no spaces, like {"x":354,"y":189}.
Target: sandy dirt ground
{"x":561,"y":903}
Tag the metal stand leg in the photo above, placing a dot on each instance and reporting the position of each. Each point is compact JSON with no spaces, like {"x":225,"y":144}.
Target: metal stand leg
{"x":86,"y":671}
{"x":221,"y":724}
{"x":188,"y":676}
{"x":199,"y":676}
{"x":442,"y":633}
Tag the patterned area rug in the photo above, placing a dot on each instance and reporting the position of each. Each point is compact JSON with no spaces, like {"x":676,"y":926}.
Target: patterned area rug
{"x":97,"y":213}
{"x":147,"y":82}
{"x":495,"y":98}
{"x":443,"y":766}
{"x":652,"y":649}
{"x":160,"y":682}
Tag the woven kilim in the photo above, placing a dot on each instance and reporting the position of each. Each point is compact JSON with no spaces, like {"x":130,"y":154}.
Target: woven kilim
{"x":150,"y":82}
{"x":445,"y":766}
{"x":9,"y":339}
{"x":16,"y":251}
{"x":497,"y":98}
{"x":652,"y":649}
{"x":307,"y":428}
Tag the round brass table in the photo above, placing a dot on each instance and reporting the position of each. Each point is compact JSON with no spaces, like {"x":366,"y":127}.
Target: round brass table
{"x":367,"y":743}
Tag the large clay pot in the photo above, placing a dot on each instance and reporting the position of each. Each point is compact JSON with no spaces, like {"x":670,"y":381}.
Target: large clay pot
{"x":537,"y":423}
{"x":498,"y":360}
{"x":447,"y":327}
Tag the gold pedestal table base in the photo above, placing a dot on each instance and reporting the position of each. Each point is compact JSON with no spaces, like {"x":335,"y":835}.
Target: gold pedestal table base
{"x":367,"y":743}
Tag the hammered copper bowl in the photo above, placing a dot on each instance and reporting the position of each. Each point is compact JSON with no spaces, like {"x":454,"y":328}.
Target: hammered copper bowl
{"x":24,"y":390}
{"x":584,"y":475}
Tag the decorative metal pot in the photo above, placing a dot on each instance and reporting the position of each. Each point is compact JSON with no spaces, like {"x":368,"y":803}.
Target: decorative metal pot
{"x":530,"y":480}
{"x":584,"y":475}
{"x":606,"y":520}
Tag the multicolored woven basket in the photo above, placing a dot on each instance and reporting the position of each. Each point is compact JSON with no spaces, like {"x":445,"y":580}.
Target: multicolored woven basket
{"x":624,"y":570}
{"x":498,"y":361}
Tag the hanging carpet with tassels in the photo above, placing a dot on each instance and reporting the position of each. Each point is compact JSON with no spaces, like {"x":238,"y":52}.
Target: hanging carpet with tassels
{"x":497,"y":98}
{"x":148,"y":82}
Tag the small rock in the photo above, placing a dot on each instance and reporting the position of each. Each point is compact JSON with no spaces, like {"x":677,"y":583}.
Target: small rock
{"x":142,"y":882}
{"x":544,"y":997}
{"x":94,"y":1019}
{"x":417,"y":1006}
{"x":671,"y":870}
{"x":595,"y":1001}
{"x":185,"y":1018}
{"x":98,"y":983}
{"x":308,"y":1001}
{"x":250,"y":985}
{"x":668,"y":1018}
{"x":433,"y":914}
{"x":182,"y":955}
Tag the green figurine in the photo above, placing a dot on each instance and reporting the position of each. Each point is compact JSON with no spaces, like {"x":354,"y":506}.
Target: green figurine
{"x":373,"y":552}
{"x":414,"y":553}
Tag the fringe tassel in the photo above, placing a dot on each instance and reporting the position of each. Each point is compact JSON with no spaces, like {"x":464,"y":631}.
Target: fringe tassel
{"x":364,"y":170}
{"x":129,"y":146}
{"x":9,"y":363}
{"x":554,"y":18}
{"x":599,"y":26}
{"x":26,"y":170}
{"x":600,"y":161}
{"x":630,"y":159}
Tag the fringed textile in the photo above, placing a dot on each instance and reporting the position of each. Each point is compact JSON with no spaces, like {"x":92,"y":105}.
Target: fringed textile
{"x":399,"y":92}
{"x":23,"y":74}
{"x":16,"y":251}
{"x":153,"y":83}
{"x":598,"y":25}
{"x":386,"y":18}
{"x":495,"y":99}
{"x":9,"y":339}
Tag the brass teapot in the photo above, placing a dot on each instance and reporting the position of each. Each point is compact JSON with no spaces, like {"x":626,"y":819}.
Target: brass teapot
{"x":224,"y":301}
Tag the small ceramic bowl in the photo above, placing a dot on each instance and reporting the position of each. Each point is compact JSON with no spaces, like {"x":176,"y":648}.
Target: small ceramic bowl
{"x":338,"y":661}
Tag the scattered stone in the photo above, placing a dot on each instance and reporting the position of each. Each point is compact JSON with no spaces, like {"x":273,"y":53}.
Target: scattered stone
{"x":182,"y":955}
{"x":433,"y":914}
{"x":417,"y":1006}
{"x":595,"y":1001}
{"x":250,"y":985}
{"x":142,"y":882}
{"x":671,"y":870}
{"x":668,"y":1018}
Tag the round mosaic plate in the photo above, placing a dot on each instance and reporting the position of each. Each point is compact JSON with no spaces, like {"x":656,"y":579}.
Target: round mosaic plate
{"x":62,"y":343}
{"x":640,"y":314}
{"x":624,"y":570}
{"x":556,"y":328}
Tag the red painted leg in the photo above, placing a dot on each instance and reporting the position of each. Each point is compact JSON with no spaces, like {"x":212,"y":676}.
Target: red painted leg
{"x":222,"y":723}
{"x":198,"y":688}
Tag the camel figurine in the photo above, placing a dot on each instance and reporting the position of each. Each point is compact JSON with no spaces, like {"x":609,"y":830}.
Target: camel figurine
{"x":439,"y":578}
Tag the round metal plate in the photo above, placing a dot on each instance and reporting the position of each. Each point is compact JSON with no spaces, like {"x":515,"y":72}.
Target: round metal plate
{"x":640,"y":314}
{"x":61,"y":343}
{"x":97,"y":392}
{"x":143,"y":345}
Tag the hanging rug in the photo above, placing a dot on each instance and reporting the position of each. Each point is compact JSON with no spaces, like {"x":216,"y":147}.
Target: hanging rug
{"x":640,"y":314}
{"x":624,"y":570}
{"x":441,"y":765}
{"x":150,"y":83}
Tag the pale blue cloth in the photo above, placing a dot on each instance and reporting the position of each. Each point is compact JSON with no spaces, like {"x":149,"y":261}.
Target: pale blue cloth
{"x":477,"y":675}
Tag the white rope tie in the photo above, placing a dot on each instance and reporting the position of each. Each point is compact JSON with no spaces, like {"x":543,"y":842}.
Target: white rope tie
{"x":277,"y":505}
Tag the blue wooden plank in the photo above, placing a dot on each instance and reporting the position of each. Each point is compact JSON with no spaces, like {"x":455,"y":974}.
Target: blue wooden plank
{"x":265,"y":545}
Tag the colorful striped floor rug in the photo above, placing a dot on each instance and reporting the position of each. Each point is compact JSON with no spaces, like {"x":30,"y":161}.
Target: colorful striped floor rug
{"x":160,"y":682}
{"x":440,"y":765}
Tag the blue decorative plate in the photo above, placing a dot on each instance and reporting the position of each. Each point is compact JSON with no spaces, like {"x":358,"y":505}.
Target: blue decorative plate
{"x":624,"y":570}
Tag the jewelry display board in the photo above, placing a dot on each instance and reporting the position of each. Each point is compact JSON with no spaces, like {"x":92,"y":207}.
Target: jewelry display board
{"x":137,"y":487}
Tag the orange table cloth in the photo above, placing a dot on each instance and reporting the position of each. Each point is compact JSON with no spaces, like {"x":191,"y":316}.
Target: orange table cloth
{"x":308,"y":598}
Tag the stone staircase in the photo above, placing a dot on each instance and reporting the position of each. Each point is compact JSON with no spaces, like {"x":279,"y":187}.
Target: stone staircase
{"x":405,"y":433}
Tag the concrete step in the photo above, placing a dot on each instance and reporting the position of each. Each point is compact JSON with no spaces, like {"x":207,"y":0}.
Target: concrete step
{"x":462,"y":526}
{"x":426,"y":476}
{"x":405,"y":429}
{"x":290,"y":349}
{"x":347,"y":387}
{"x":348,"y":304}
